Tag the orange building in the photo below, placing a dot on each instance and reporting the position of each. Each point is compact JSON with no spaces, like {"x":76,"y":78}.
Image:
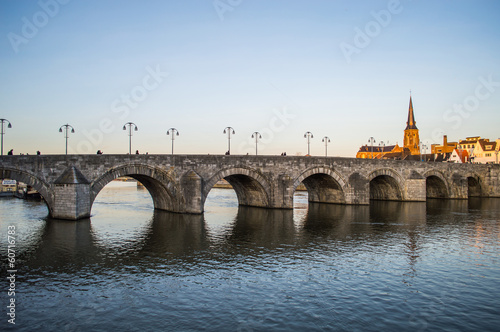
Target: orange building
{"x":382,"y":152}
{"x":411,"y":138}
{"x":447,"y":147}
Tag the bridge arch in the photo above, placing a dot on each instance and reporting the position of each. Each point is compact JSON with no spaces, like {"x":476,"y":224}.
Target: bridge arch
{"x":474,"y":184}
{"x":386,"y":184}
{"x":324,"y":185}
{"x":436,"y":185}
{"x":37,"y":183}
{"x":162,"y":186}
{"x":251,"y":187}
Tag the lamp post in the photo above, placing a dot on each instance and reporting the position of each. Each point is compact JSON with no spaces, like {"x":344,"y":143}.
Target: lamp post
{"x":130,"y":124}
{"x":424,"y":147}
{"x":496,"y":154}
{"x":256,"y":135}
{"x":229,"y":131}
{"x":2,"y":132}
{"x":174,"y":133}
{"x":381,"y":146}
{"x":421,"y":146}
{"x":326,"y":140}
{"x":308,"y":135}
{"x":371,"y":140}
{"x":66,"y":133}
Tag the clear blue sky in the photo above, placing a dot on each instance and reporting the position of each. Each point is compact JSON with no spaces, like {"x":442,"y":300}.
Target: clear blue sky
{"x":341,"y":69}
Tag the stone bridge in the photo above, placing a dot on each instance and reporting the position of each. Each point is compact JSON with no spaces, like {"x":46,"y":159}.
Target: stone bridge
{"x":181,"y":183}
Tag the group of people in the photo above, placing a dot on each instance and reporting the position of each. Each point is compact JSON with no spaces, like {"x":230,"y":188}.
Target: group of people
{"x":11,"y":153}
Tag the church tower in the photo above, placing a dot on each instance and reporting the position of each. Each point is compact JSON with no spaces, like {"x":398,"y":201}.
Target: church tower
{"x":411,"y":139}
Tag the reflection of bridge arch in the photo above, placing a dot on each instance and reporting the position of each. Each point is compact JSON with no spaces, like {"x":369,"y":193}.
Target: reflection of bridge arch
{"x":436,"y":185}
{"x":386,"y":184}
{"x":30,"y":179}
{"x":252,"y":189}
{"x":323,"y":185}
{"x":161,"y":185}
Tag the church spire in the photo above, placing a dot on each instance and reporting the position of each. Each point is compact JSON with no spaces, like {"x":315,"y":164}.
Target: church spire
{"x":411,"y":124}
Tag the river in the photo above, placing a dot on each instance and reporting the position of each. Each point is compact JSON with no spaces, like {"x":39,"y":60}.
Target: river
{"x":390,"y":266}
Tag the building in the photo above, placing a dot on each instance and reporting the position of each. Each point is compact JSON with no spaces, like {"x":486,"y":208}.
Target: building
{"x":446,"y":147}
{"x":480,"y":150}
{"x":382,"y":152}
{"x":411,"y":137}
{"x":459,"y":156}
{"x":469,"y":143}
{"x":411,"y":143}
{"x":485,"y":152}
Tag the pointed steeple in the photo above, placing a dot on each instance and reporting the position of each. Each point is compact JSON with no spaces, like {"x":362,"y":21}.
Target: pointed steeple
{"x":411,"y":124}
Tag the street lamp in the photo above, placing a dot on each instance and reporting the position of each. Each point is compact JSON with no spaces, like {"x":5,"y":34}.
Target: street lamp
{"x":308,"y":135}
{"x":66,"y":133}
{"x":424,"y":147}
{"x":326,"y":140}
{"x":130,"y":124}
{"x":371,"y":140}
{"x":256,"y":135}
{"x":2,"y":130}
{"x":229,"y":131}
{"x":174,"y":133}
{"x":421,"y":147}
{"x":381,"y":146}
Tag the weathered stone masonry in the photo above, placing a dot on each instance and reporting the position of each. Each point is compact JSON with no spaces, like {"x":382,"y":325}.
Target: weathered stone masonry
{"x":181,"y":183}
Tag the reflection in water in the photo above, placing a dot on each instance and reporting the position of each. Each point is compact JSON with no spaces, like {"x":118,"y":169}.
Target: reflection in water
{"x":261,"y":228}
{"x":65,"y":244}
{"x":317,"y":267}
{"x":175,"y":234}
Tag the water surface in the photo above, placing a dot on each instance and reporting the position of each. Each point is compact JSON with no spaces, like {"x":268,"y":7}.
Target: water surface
{"x":388,"y":266}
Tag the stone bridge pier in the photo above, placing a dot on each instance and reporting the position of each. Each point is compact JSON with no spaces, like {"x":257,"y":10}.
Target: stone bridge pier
{"x":182,"y":183}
